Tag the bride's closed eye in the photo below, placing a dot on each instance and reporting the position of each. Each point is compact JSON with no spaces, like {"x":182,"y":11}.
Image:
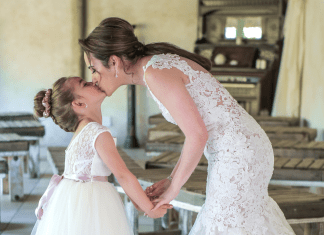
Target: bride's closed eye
{"x":93,"y":71}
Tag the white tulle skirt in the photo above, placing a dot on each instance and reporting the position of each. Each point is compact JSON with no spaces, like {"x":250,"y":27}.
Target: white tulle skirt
{"x":92,"y":208}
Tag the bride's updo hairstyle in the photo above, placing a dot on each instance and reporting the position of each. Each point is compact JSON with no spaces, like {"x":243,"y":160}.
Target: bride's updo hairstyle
{"x":57,"y":104}
{"x":115,"y":36}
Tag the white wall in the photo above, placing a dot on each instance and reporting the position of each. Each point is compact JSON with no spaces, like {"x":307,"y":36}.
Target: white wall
{"x":38,"y":45}
{"x":157,"y":21}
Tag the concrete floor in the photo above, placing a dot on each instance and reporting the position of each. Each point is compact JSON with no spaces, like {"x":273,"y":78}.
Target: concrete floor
{"x":19,"y":217}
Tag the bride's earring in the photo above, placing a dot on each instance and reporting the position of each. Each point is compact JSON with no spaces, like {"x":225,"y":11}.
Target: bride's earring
{"x":116,"y":75}
{"x":86,"y":106}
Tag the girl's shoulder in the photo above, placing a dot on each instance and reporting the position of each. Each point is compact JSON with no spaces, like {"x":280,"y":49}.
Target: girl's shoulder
{"x":97,"y":127}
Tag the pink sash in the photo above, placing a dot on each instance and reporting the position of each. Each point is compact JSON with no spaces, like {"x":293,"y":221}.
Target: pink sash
{"x":55,"y":180}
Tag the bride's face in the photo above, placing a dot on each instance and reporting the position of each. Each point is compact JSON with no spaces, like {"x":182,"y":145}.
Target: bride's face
{"x":102,"y":77}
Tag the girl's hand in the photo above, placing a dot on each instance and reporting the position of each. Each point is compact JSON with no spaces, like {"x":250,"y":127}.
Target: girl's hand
{"x":157,"y":189}
{"x":165,"y":206}
{"x":158,"y":213}
{"x":170,"y":194}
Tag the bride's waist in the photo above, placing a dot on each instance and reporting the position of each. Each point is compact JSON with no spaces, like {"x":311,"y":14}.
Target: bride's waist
{"x":86,"y":178}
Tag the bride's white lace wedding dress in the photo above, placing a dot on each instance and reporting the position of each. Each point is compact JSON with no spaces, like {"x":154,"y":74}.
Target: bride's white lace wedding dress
{"x":240,"y":160}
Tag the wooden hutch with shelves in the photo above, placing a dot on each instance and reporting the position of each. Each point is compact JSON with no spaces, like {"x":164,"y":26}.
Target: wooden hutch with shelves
{"x":226,"y":27}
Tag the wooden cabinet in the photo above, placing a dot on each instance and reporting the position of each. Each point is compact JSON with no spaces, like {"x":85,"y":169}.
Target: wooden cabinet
{"x":251,"y":86}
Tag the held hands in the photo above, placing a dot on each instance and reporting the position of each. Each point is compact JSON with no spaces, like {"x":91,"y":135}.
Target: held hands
{"x":153,"y":192}
{"x":157,"y":189}
{"x":166,"y":197}
{"x":161,"y":193}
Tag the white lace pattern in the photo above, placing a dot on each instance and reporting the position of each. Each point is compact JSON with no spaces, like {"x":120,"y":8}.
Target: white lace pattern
{"x":240,"y":160}
{"x":81,"y":153}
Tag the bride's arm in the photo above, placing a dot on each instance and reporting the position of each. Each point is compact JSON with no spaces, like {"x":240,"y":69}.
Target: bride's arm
{"x":168,"y":87}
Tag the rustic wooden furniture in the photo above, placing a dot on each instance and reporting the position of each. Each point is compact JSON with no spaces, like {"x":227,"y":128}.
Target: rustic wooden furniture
{"x":257,"y":94}
{"x":274,"y":133}
{"x":13,"y":149}
{"x":262,"y":120}
{"x":29,"y":128}
{"x":16,"y":116}
{"x":285,"y":168}
{"x":56,"y":159}
{"x":298,"y":206}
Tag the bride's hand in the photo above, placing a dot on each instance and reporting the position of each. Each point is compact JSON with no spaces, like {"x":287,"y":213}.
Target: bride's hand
{"x":166,"y":197}
{"x":157,"y":189}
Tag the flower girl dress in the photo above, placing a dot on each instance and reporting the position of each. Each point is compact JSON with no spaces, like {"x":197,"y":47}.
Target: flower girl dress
{"x":82,"y":201}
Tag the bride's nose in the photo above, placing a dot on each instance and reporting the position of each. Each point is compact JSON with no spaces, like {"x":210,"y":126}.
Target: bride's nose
{"x":94,"y":79}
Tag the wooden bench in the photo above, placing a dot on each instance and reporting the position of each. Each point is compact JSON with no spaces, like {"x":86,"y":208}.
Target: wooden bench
{"x":16,"y":116}
{"x":297,"y":169}
{"x":281,"y":148}
{"x":13,"y":149}
{"x":298,"y":206}
{"x":262,"y":120}
{"x":168,"y":132}
{"x":32,"y":129}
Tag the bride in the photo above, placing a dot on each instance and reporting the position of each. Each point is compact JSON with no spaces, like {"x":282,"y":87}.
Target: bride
{"x":240,"y":155}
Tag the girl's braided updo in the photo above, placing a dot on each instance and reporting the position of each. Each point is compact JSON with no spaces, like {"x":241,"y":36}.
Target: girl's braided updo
{"x":57,"y":104}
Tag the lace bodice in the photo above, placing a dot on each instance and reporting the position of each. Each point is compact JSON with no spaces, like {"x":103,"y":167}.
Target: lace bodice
{"x":81,"y":157}
{"x":221,"y":113}
{"x":239,"y":153}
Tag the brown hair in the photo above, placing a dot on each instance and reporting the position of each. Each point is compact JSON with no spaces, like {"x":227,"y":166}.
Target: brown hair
{"x":115,"y":36}
{"x":60,"y":102}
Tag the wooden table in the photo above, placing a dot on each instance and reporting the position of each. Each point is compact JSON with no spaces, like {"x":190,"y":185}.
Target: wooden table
{"x":298,"y":207}
{"x":32,"y":130}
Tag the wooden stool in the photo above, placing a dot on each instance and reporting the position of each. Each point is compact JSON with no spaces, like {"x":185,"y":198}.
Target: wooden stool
{"x":13,"y":148}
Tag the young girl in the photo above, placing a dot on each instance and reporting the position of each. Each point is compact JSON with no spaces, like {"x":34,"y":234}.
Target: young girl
{"x":81,"y":201}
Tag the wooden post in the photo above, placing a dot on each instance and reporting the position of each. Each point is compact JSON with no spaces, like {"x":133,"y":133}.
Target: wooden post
{"x":131,"y":141}
{"x":185,"y":221}
{"x":132,"y":214}
{"x":16,"y":177}
{"x":34,"y":158}
{"x":157,"y":224}
{"x":166,"y":220}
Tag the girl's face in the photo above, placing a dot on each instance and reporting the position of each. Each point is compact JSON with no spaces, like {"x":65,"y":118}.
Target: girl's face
{"x":86,"y":92}
{"x":102,"y":77}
